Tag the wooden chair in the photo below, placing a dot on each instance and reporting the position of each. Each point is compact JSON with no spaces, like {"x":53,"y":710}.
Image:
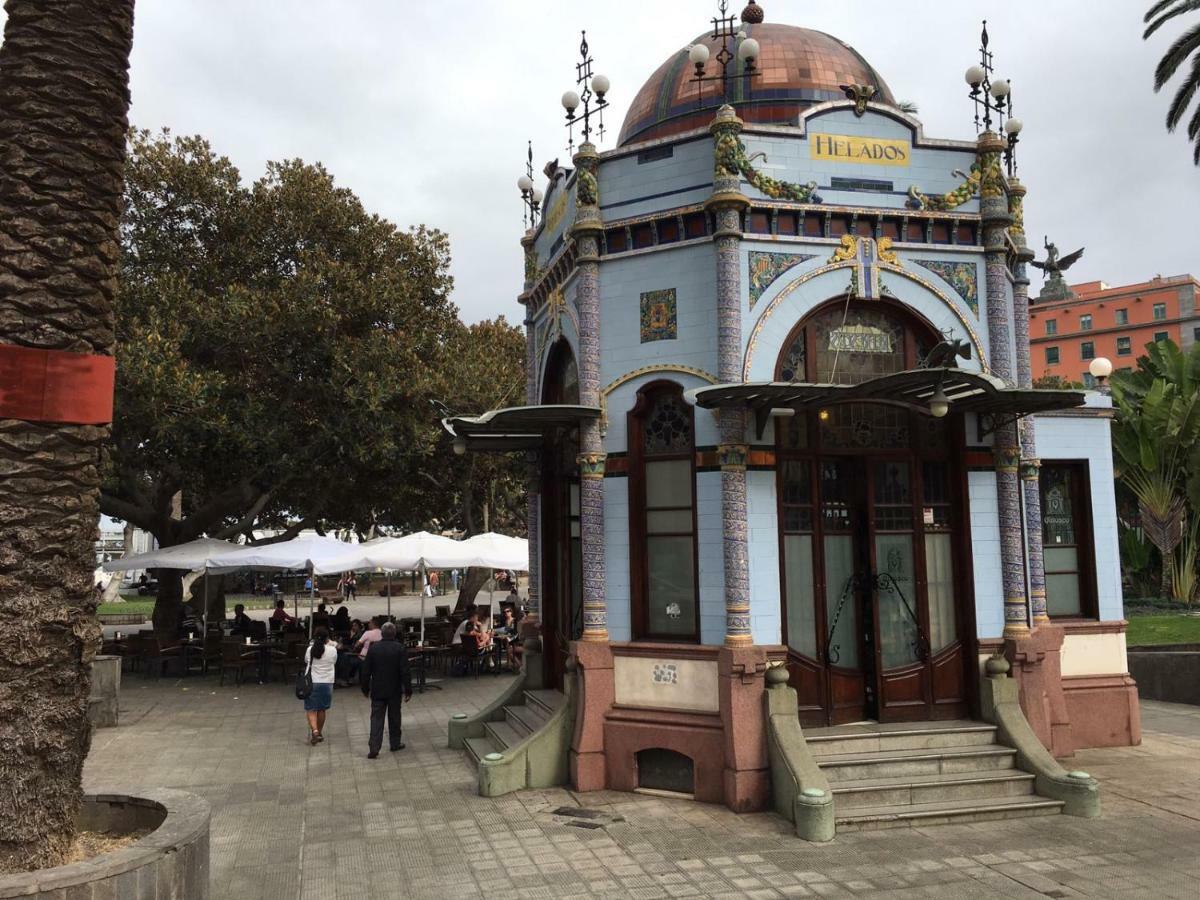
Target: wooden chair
{"x":471,"y":655}
{"x":157,"y":656}
{"x":235,"y":658}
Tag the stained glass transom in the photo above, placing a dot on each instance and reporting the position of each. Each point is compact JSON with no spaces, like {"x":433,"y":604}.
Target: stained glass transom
{"x":792,"y":368}
{"x":668,"y":426}
{"x":857,"y":344}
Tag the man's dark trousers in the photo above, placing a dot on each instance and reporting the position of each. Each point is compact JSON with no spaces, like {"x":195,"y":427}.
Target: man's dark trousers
{"x":390,"y":707}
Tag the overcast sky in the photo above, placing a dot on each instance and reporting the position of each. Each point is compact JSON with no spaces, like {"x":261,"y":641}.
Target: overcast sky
{"x":424,"y":108}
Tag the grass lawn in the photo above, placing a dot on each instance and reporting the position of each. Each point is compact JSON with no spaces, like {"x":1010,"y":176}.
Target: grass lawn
{"x":1163,"y":630}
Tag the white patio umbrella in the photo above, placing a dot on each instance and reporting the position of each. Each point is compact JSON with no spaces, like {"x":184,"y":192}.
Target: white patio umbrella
{"x":413,"y":551}
{"x":309,"y":552}
{"x":193,"y":555}
{"x":499,"y":551}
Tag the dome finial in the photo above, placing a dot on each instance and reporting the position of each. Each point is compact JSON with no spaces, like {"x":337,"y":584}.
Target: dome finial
{"x":752,"y":14}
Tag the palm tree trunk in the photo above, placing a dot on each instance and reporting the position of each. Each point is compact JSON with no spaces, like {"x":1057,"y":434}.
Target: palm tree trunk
{"x":64,"y":99}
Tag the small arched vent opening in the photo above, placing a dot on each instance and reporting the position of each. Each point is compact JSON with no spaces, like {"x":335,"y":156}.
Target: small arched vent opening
{"x":665,"y":770}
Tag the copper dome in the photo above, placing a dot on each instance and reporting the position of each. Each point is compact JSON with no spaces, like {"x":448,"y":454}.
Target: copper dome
{"x":800,"y":67}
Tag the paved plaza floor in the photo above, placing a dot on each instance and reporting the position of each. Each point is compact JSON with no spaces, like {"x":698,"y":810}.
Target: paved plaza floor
{"x":294,"y":821}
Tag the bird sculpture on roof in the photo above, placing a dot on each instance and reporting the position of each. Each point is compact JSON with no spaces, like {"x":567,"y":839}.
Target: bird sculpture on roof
{"x":1054,"y":265}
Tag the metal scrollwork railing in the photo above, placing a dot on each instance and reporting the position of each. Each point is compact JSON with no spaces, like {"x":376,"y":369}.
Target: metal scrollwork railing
{"x":920,"y":644}
{"x":833,"y":652}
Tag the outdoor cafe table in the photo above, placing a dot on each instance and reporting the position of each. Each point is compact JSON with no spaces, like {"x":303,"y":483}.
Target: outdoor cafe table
{"x":264,"y":649}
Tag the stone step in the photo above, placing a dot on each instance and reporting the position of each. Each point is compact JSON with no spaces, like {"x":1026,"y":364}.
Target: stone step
{"x":526,"y":719}
{"x":922,"y":814}
{"x":478,"y":748}
{"x":547,"y":701}
{"x":923,"y":789}
{"x":832,"y":741}
{"x":503,"y":734}
{"x":903,"y":763}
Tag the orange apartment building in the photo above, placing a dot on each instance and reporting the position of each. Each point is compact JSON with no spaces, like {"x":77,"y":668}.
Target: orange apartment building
{"x":1114,"y":322}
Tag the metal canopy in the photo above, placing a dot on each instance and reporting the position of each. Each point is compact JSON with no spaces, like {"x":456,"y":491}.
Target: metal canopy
{"x":516,"y":427}
{"x":967,"y":392}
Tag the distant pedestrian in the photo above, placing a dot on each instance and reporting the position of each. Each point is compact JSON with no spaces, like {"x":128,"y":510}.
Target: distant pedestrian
{"x":386,"y":681}
{"x":433,"y":581}
{"x":454,"y":578}
{"x":321,"y":661}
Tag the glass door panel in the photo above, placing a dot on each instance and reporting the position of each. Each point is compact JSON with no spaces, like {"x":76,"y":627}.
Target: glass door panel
{"x":939,"y":585}
{"x":841,"y":601}
{"x":899,"y":631}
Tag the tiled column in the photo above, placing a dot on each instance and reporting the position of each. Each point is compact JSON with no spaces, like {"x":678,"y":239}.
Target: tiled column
{"x":533,"y":499}
{"x":1030,"y":464}
{"x":586,"y":232}
{"x":993,"y":206}
{"x":726,"y":205}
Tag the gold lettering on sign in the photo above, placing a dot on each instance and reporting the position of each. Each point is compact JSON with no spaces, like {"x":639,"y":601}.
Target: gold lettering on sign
{"x":860,"y":339}
{"x":554,"y":216}
{"x":851,"y":149}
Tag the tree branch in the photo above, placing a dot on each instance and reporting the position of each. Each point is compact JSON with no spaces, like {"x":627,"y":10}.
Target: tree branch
{"x":142,"y":516}
{"x":246,"y":521}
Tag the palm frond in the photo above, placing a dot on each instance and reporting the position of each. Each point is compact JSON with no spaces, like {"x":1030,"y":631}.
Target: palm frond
{"x":1156,"y":9}
{"x":1184,"y":46}
{"x":1185,"y":6}
{"x":1193,"y":130}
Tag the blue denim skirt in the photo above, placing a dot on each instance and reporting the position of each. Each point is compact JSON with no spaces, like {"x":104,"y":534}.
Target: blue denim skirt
{"x":320,"y":699}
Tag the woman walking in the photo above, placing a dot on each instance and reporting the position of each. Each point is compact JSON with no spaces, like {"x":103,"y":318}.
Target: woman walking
{"x":321,"y":661}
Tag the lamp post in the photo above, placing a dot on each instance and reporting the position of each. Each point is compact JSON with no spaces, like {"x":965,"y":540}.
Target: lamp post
{"x":994,"y":97}
{"x":745,"y":50}
{"x":1101,"y":368}
{"x":530,"y":195}
{"x":590,"y":87}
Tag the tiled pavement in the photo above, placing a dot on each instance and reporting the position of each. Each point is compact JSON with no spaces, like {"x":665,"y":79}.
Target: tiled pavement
{"x":292,"y":821}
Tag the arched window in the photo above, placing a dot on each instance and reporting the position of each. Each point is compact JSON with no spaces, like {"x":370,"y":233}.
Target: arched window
{"x":662,"y":515}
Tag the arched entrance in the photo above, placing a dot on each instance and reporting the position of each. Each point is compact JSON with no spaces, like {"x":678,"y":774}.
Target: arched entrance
{"x":561,"y":571}
{"x":872,"y":523}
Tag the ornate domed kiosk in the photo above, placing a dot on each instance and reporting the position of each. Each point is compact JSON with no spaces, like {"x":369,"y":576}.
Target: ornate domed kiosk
{"x":802,"y":534}
{"x":799,"y":67}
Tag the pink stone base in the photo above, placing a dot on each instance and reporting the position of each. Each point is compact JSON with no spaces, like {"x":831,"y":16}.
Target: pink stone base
{"x":1104,"y":711}
{"x":728,"y":749}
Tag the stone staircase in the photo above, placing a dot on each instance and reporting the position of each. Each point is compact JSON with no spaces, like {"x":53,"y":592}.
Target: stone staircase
{"x":519,"y":722}
{"x":924,"y":773}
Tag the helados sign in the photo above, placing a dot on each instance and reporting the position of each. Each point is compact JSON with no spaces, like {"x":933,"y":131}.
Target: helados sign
{"x":853,"y":149}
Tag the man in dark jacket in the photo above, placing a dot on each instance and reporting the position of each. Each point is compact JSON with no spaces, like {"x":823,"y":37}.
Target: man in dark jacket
{"x":385,"y":679}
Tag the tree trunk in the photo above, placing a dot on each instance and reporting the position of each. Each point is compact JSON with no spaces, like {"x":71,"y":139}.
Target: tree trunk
{"x":470,"y":585}
{"x":64,"y":98}
{"x":168,"y":604}
{"x":216,"y":597}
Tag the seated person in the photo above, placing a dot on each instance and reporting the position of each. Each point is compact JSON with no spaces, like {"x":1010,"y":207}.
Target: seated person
{"x":508,"y":622}
{"x":321,"y":617}
{"x":280,"y":617}
{"x":463,"y":625}
{"x":241,"y":621}
{"x":340,"y":624}
{"x":368,"y":637}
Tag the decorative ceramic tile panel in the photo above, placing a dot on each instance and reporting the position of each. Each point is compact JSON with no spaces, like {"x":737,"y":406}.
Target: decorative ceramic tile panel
{"x":766,"y":267}
{"x":658,"y":316}
{"x":962,"y":276}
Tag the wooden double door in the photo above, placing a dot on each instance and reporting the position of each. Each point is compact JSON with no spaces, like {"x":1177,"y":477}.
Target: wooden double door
{"x":873,"y":571}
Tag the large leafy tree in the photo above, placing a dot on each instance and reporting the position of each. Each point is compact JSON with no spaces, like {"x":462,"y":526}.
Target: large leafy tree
{"x":1184,"y":51}
{"x":277,"y":349}
{"x":64,"y":98}
{"x":1156,"y":438}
